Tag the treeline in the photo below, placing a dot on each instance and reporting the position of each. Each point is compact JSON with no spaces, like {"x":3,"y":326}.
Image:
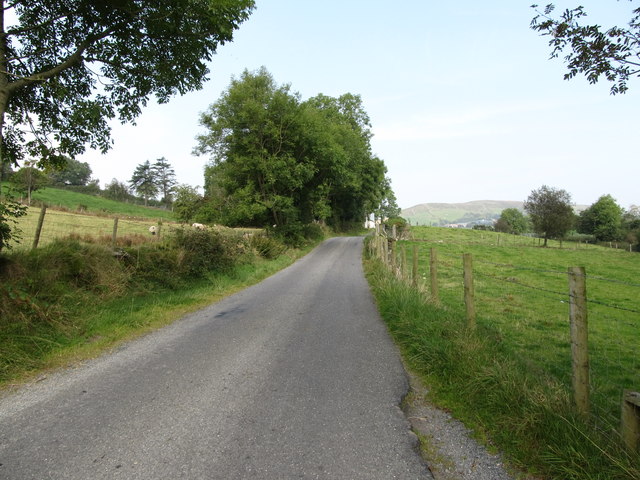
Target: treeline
{"x":551,"y":215}
{"x":280,"y":162}
{"x":148,"y":181}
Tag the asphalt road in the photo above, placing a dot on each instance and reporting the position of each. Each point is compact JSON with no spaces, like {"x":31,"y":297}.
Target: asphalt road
{"x":295,"y":377}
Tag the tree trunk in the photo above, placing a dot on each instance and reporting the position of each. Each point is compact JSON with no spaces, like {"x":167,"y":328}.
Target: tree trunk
{"x":4,"y":95}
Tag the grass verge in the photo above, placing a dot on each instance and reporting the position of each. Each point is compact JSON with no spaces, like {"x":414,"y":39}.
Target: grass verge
{"x":521,"y":411}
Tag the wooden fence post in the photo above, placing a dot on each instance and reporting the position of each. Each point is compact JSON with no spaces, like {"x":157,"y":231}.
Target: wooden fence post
{"x":467,"y":261}
{"x":579,"y":338}
{"x":393,"y":256}
{"x":630,"y":424}
{"x":433,"y":272}
{"x":114,"y":235}
{"x":36,"y":238}
{"x":403,"y":266}
{"x":415,"y":266}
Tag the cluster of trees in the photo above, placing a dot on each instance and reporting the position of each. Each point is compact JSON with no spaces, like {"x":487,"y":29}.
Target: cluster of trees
{"x":278,"y":160}
{"x":551,"y":215}
{"x":150,"y":180}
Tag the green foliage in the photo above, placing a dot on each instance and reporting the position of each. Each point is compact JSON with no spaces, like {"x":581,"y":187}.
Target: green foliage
{"x":29,"y":179}
{"x":10,"y":210}
{"x":279,"y":161}
{"x":72,"y":173}
{"x":512,"y":220}
{"x":70,"y":295}
{"x":603,"y":219}
{"x":187,"y":203}
{"x":143,"y":181}
{"x":165,"y":178}
{"x":267,"y":246}
{"x":550,"y":212}
{"x":612,"y":53}
{"x":118,"y":191}
{"x":75,"y":66}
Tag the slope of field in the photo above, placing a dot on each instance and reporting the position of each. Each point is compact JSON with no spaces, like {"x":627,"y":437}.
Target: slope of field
{"x":442,"y":213}
{"x":74,"y":201}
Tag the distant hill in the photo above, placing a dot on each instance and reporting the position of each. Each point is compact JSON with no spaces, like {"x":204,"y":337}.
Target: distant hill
{"x":479,"y":212}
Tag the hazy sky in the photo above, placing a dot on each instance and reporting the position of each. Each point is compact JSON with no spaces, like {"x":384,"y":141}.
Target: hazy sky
{"x":464,"y":101}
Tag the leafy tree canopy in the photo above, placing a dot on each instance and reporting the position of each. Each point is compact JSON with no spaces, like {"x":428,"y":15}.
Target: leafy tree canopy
{"x":550,"y":212}
{"x":614,"y":53}
{"x":73,"y":172}
{"x":276,"y":160}
{"x":67,"y":67}
{"x":603,"y":219}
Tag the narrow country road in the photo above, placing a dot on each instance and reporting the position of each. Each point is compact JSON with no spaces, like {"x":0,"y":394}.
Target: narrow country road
{"x":295,"y":377}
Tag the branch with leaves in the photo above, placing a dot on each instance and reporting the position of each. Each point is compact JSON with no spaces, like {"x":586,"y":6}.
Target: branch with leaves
{"x":592,"y":51}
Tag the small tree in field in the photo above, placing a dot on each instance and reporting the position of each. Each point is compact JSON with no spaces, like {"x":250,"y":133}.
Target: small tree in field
{"x":512,"y":220}
{"x":603,"y":219}
{"x":29,"y":179}
{"x":550,"y":212}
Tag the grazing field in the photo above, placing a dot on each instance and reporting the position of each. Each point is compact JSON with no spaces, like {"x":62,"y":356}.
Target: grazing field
{"x":522,"y":293}
{"x":513,"y":377}
{"x":88,"y":216}
{"x":59,"y":224}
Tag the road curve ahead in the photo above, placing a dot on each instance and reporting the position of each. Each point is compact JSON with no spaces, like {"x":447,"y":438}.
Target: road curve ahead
{"x":295,"y":377}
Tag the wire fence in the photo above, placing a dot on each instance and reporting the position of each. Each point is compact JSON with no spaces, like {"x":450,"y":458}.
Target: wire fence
{"x":105,"y":229}
{"x":523,"y":296}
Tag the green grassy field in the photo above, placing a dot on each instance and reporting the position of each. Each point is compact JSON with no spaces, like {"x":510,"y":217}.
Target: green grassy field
{"x":77,"y":214}
{"x":59,"y":224}
{"x":80,"y":202}
{"x":522,"y":293}
{"x":512,"y":378}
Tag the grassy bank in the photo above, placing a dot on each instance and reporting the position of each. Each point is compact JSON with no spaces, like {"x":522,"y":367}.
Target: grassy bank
{"x":71,"y":300}
{"x":68,"y":200}
{"x":508,"y":379}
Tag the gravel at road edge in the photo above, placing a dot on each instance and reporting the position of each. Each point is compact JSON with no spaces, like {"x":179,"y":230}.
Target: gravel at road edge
{"x":449,"y":450}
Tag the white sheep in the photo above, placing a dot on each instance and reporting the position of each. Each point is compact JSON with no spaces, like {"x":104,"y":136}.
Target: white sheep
{"x":153,"y":229}
{"x":198,"y":226}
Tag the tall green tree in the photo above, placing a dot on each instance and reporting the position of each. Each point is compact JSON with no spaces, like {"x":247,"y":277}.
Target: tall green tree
{"x":512,"y":220}
{"x":251,"y":136}
{"x":550,"y":211}
{"x":144,"y":181}
{"x":165,"y":179}
{"x":592,"y":51}
{"x":278,"y":160}
{"x":603,"y":219}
